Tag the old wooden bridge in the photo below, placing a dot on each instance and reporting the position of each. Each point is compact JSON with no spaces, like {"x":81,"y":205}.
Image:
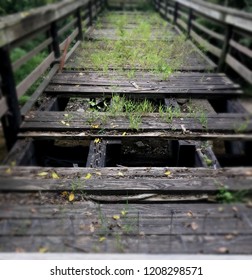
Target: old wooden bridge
{"x":137,"y":138}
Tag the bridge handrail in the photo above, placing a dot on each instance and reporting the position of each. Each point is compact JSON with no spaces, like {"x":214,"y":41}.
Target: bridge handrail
{"x":227,"y":48}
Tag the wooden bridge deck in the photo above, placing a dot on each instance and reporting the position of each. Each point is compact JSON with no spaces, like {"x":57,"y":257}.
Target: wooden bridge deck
{"x":91,"y":181}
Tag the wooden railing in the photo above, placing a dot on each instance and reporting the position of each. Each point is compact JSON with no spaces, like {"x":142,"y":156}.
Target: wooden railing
{"x":225,"y":33}
{"x":53,"y":27}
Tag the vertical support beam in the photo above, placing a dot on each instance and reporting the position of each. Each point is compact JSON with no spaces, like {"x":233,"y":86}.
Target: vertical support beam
{"x":189,"y":24}
{"x":90,"y":12}
{"x":166,"y":9}
{"x":106,"y":5}
{"x":222,"y":60}
{"x":12,"y":120}
{"x":175,"y":15}
{"x":55,"y":38}
{"x":79,"y":24}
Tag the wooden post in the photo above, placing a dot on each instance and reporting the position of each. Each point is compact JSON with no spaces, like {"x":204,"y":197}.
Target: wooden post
{"x":55,"y":38}
{"x":175,"y":15}
{"x":90,"y":12}
{"x":79,"y":24}
{"x":106,"y":4}
{"x":12,"y":120}
{"x":189,"y":24}
{"x":166,"y":9}
{"x":225,"y":48}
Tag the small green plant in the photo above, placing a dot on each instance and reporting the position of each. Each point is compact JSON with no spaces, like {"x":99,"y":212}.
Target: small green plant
{"x":226,"y":196}
{"x":135,"y":120}
{"x":242,"y":127}
{"x":203,"y":119}
{"x":207,"y":160}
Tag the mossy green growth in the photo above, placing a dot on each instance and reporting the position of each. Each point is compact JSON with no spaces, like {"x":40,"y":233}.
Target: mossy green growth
{"x":148,"y":46}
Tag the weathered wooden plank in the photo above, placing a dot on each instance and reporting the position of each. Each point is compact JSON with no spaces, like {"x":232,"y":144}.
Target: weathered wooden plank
{"x":34,"y":75}
{"x":17,"y":64}
{"x":42,"y":135}
{"x":128,"y":225}
{"x":205,"y":44}
{"x":206,"y":30}
{"x":183,"y":244}
{"x":85,"y":209}
{"x":245,"y":72}
{"x":132,"y":172}
{"x":241,"y":48}
{"x":127,"y":187}
{"x":15,"y":27}
{"x":225,"y":123}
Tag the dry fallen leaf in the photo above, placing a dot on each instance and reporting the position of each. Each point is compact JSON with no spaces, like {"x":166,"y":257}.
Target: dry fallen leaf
{"x":88,"y":176}
{"x":101,"y":239}
{"x":66,"y":115}
{"x":190,"y":213}
{"x":8,"y":171}
{"x":116,"y":217}
{"x":42,"y":174}
{"x":97,"y":140}
{"x":223,"y":250}
{"x":95,"y":125}
{"x":33,"y":210}
{"x":71,"y":197}
{"x":124,"y":213}
{"x":19,"y":250}
{"x":194,"y":226}
{"x":235,"y":209}
{"x":168,"y":173}
{"x":55,"y":175}
{"x":63,"y":122}
{"x":124,"y":133}
{"x":43,"y":250}
{"x":229,"y":237}
{"x":91,"y":228}
{"x":120,"y":174}
{"x":64,"y":194}
{"x":98,"y":173}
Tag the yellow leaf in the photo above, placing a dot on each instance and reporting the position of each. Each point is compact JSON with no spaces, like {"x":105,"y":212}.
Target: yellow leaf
{"x":124,"y":213}
{"x":88,"y":176}
{"x":66,"y":115}
{"x":120,"y":174}
{"x":101,"y":239}
{"x":95,"y":125}
{"x":124,"y":133}
{"x":71,"y":197}
{"x":97,"y":140}
{"x":67,"y":124}
{"x":64,"y":194}
{"x":168,"y":173}
{"x":63,"y":122}
{"x":55,"y":175}
{"x":43,"y":250}
{"x":98,"y":173}
{"x":42,"y":174}
{"x":8,"y":171}
{"x":116,"y":217}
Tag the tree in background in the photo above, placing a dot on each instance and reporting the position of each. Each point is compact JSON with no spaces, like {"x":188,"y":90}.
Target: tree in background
{"x":13,"y":6}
